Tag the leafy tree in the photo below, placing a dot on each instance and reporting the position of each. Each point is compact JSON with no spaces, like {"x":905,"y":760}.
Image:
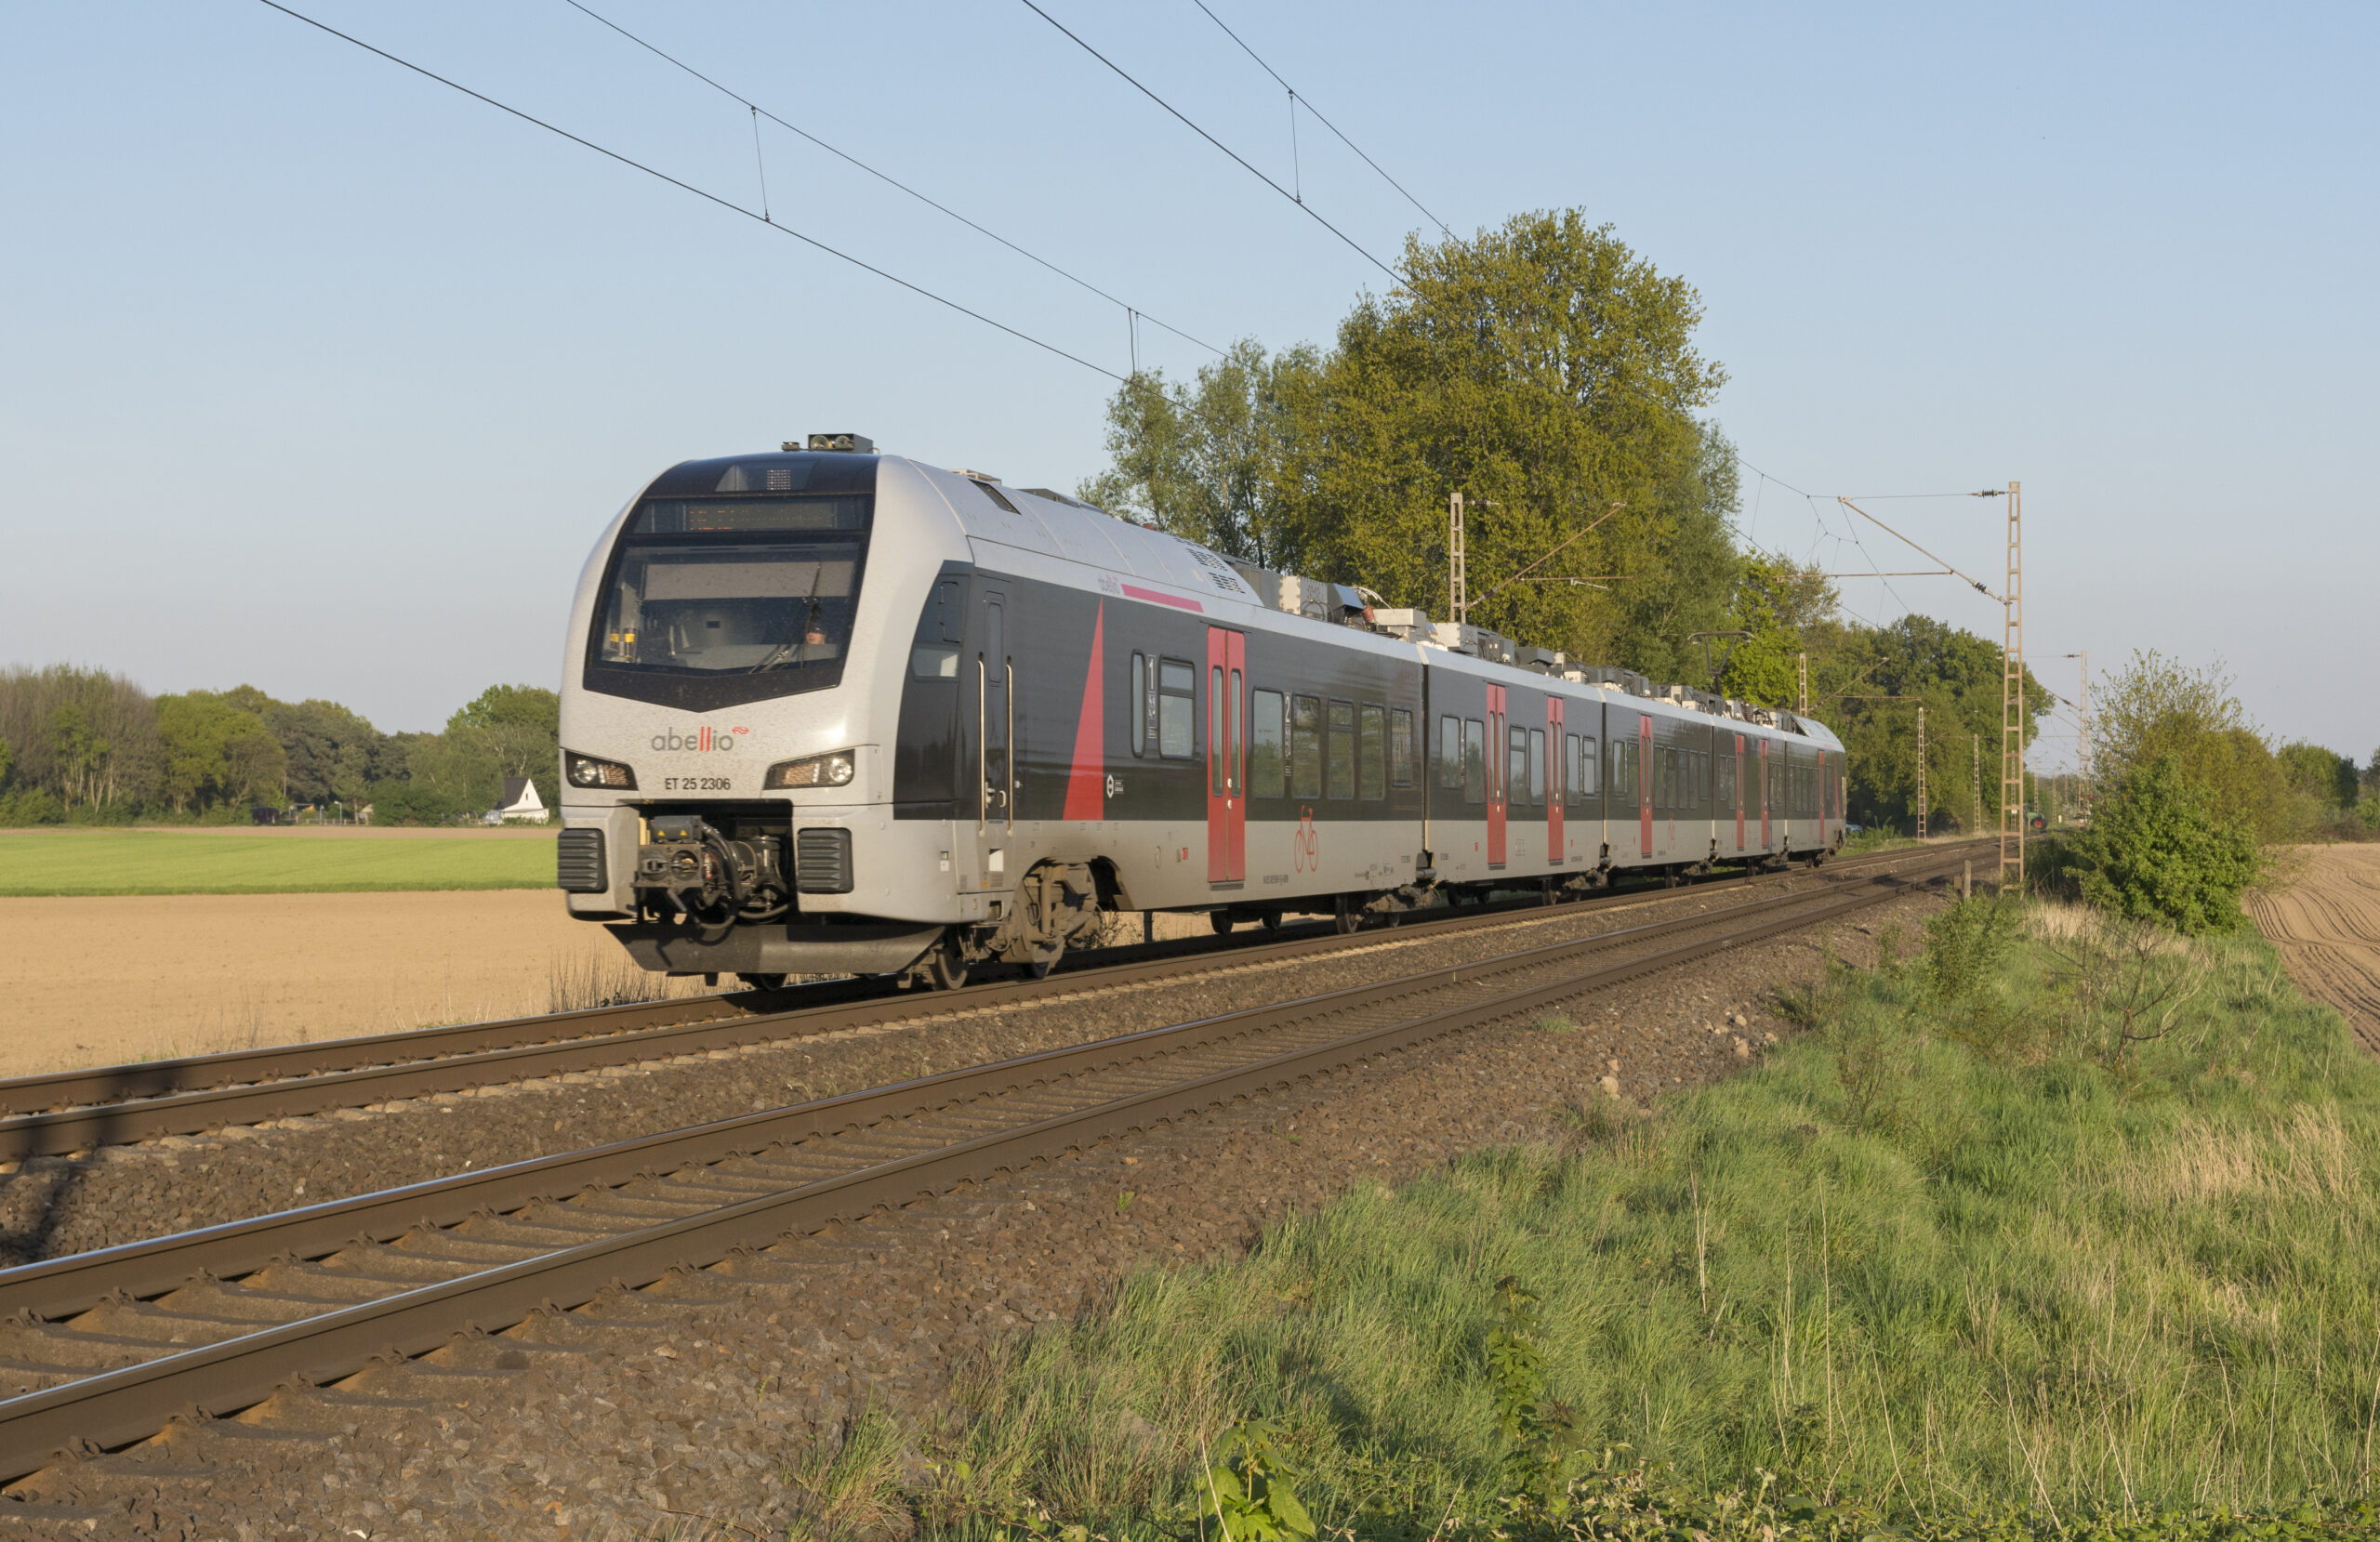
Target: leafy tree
{"x":218,"y":753}
{"x":1868,"y":682}
{"x":2158,"y":847}
{"x":1775,"y":600}
{"x":2324,"y":777}
{"x":85,"y":737}
{"x":2156,"y":707}
{"x":506,"y":731}
{"x":397,"y":801}
{"x":1544,"y":369}
{"x":1206,"y":462}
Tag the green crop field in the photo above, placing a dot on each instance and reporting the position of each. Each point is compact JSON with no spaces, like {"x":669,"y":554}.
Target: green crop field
{"x":177,"y":862}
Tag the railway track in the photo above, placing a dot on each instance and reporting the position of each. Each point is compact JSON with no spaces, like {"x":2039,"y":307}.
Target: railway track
{"x":102,"y":1348}
{"x":73,"y":1110}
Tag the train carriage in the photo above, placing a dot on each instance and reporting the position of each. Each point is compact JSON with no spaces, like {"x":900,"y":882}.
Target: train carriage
{"x":827,"y":711}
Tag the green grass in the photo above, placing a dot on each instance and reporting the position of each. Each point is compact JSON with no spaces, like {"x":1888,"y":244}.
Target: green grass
{"x":169,"y":862}
{"x":1976,"y":1254}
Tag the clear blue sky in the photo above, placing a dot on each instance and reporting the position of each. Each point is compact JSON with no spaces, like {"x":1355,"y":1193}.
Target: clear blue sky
{"x":322,"y":377}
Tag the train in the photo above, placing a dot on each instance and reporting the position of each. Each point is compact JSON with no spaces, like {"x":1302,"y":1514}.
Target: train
{"x":827,"y":711}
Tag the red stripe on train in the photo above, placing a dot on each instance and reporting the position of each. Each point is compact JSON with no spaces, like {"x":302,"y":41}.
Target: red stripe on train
{"x":1087,"y":783}
{"x":1133,"y":591}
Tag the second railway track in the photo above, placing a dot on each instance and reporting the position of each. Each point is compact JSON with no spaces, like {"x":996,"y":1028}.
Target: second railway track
{"x":103,"y":1348}
{"x":66,"y":1111}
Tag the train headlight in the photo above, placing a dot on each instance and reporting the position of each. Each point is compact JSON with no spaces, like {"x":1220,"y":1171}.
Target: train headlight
{"x":818,"y":770}
{"x":585,"y":771}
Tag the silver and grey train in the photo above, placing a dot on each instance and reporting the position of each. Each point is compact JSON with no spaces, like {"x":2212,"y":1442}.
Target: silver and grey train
{"x":830,"y":711}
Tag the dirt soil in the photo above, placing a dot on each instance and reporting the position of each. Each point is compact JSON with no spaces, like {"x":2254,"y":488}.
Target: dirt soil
{"x":106,"y":979}
{"x":2327,"y":925}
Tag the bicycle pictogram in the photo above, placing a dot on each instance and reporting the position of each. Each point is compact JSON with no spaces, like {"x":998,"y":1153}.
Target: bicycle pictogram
{"x":1306,"y":845}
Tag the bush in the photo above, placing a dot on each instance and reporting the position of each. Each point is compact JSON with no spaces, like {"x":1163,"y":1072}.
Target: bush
{"x":399,"y":803}
{"x":2158,"y":850}
{"x":30,"y":806}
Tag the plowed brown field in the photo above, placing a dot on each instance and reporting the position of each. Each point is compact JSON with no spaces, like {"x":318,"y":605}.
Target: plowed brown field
{"x":102,"y":980}
{"x":97,"y":981}
{"x":2327,"y":925}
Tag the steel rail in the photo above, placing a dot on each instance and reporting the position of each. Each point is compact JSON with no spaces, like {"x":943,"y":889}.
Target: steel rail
{"x":56,"y":1287}
{"x":367,"y":1072}
{"x":116,"y":1406}
{"x":91,"y":1085}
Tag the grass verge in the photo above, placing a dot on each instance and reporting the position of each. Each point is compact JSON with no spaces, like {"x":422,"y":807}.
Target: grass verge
{"x":2057,"y":1228}
{"x":168,"y":861}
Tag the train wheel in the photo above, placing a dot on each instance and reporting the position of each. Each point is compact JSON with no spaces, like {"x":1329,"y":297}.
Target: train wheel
{"x":1272,"y":921}
{"x":1545,"y":892}
{"x":761,"y":981}
{"x":1221,"y":921}
{"x":945,"y":966}
{"x":1346,"y":917}
{"x":1045,"y":958}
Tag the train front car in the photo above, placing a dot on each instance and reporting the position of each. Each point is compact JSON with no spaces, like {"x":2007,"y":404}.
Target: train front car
{"x":730,"y":705}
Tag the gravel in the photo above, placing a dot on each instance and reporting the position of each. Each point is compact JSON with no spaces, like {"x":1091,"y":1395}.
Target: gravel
{"x":689,"y":1406}
{"x":54,"y":1205}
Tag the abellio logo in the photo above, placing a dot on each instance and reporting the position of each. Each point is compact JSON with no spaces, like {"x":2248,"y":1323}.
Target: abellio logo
{"x":702,"y":740}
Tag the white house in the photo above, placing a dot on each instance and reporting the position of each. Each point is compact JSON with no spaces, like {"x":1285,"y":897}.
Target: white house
{"x":519,"y":801}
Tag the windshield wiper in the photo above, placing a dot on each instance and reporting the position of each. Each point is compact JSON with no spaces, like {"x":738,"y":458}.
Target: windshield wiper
{"x":800,"y":639}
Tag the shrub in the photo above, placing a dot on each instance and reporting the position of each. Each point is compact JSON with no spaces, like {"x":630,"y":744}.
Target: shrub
{"x":2158,"y":850}
{"x":1965,"y":944}
{"x":30,"y":806}
{"x":401,"y":802}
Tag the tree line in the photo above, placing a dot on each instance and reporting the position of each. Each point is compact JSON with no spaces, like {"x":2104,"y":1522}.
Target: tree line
{"x":91,"y":747}
{"x":1549,"y":374}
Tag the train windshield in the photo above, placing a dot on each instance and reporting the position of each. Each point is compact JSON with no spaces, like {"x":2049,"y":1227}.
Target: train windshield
{"x":758,"y":590}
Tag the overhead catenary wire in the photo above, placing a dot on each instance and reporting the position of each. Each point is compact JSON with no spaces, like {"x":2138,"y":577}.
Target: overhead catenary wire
{"x":702,"y":194}
{"x":1184,"y":119}
{"x":886,"y":177}
{"x":1308,"y":103}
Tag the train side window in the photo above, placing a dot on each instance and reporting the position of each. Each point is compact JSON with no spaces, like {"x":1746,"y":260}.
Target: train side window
{"x":1537,"y":768}
{"x":1371,"y":722}
{"x":1306,"y":746}
{"x":1266,"y":765}
{"x":1475,"y":760}
{"x":1343,"y":749}
{"x":1218,"y":771}
{"x":1449,"y":753}
{"x":1136,"y":735}
{"x":1571,"y":773}
{"x":1516,"y":765}
{"x":1400,"y":746}
{"x":1177,"y":710}
{"x":1587,"y":766}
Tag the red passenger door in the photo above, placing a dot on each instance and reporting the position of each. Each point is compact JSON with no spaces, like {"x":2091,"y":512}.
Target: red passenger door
{"x":1736,"y":775}
{"x":1764,"y":795}
{"x":1226,"y":774}
{"x":1499,"y":772}
{"x":1558,"y":774}
{"x":1644,"y":774}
